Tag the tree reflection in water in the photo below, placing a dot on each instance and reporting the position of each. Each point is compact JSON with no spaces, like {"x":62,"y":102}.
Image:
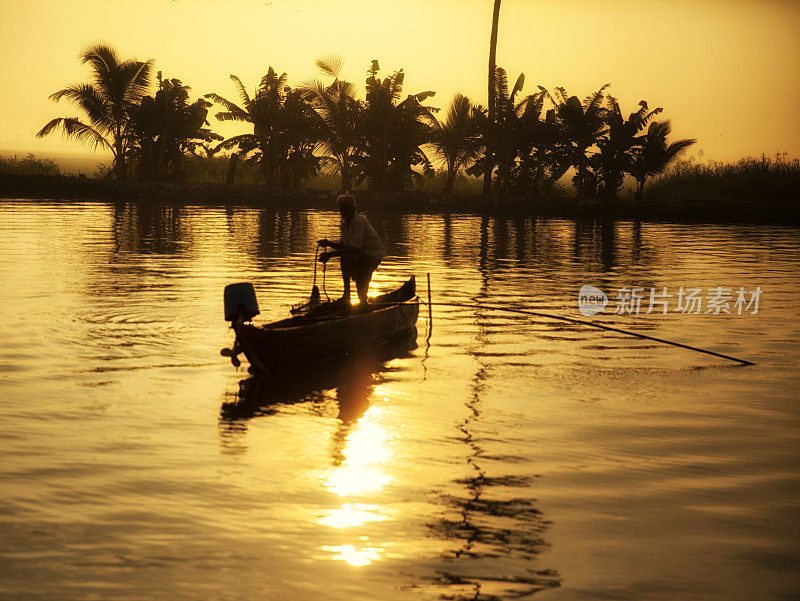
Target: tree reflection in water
{"x":485,"y":526}
{"x":488,"y":521}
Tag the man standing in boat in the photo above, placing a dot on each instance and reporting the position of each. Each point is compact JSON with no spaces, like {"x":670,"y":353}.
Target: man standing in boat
{"x":359,"y":247}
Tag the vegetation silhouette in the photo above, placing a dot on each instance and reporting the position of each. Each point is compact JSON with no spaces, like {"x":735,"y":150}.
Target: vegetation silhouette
{"x":455,"y":142}
{"x":337,"y":113}
{"x":166,"y":128}
{"x":753,"y":179}
{"x":653,"y":154}
{"x":525,"y":143}
{"x":283,"y":137}
{"x":393,"y":132}
{"x":30,"y":165}
{"x":616,"y":158}
{"x":109,"y":102}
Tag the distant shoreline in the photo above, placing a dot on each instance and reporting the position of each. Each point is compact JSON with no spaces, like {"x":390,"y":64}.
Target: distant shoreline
{"x":61,"y":187}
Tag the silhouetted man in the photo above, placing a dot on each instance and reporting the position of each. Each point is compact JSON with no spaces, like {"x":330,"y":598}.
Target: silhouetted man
{"x":359,"y":247}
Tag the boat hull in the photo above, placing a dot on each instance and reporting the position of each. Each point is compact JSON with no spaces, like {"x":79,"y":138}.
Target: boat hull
{"x":284,"y":345}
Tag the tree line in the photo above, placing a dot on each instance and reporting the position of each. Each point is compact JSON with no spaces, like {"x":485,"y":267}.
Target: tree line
{"x":387,"y":140}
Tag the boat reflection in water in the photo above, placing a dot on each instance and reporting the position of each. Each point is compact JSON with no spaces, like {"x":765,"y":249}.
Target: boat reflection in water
{"x":351,"y":377}
{"x":358,"y":445}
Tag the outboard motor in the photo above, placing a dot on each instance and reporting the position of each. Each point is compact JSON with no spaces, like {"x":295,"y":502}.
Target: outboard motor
{"x":240,"y":299}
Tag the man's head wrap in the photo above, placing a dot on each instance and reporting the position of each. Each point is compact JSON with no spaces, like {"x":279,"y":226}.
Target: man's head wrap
{"x":346,"y":200}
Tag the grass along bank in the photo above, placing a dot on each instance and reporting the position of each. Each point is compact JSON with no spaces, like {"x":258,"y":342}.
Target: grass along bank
{"x":767,"y":180}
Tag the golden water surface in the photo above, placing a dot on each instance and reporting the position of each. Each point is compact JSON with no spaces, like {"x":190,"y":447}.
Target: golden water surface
{"x":497,"y":456}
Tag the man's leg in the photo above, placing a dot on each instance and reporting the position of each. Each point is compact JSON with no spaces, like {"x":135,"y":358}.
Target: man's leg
{"x":348,"y":271}
{"x":366,"y":267}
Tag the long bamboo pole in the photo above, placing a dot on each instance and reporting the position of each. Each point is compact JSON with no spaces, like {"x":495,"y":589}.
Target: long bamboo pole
{"x":593,"y":325}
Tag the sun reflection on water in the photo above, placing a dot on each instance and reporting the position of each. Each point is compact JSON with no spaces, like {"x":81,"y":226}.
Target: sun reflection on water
{"x":352,"y":515}
{"x":358,"y":557}
{"x":358,"y":471}
{"x":365,"y":449}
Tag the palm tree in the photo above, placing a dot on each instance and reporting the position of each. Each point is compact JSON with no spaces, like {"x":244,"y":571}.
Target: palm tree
{"x":283,"y":138}
{"x":108,"y":102}
{"x":617,"y":149}
{"x":337,"y":115}
{"x":583,"y":125}
{"x":489,"y":167}
{"x":654,"y":155}
{"x":393,"y":131}
{"x":455,"y":141}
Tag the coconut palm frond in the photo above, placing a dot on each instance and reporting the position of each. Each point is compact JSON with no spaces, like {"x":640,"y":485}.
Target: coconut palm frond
{"x":87,"y":98}
{"x":274,"y":81}
{"x":103,"y":60}
{"x":500,"y":83}
{"x":232,"y":116}
{"x":645,"y":119}
{"x":674,"y":149}
{"x":230,"y":107}
{"x":659,"y":130}
{"x":458,"y":113}
{"x":74,"y":128}
{"x":614,"y":104}
{"x":346,"y":89}
{"x":137,"y":75}
{"x":330,"y":65}
{"x":594,"y":101}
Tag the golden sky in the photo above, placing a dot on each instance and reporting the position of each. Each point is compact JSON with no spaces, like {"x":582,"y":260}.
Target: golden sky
{"x":725,"y":71}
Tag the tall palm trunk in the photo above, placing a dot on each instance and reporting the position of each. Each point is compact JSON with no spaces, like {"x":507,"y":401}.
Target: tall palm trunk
{"x":119,"y":157}
{"x":639,"y":188}
{"x":451,"y":178}
{"x":345,"y":169}
{"x":487,"y":174}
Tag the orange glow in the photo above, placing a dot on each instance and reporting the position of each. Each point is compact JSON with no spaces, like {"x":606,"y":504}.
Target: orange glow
{"x":707,"y":63}
{"x":357,"y":557}
{"x":352,"y":515}
{"x":365,"y":450}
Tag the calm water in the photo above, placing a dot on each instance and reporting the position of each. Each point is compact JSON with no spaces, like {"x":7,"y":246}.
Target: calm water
{"x":504,"y":456}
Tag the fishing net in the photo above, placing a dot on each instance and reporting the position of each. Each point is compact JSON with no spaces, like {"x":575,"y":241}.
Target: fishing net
{"x":314,"y":300}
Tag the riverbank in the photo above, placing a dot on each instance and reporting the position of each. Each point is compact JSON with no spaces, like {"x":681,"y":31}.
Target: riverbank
{"x":59,"y":187}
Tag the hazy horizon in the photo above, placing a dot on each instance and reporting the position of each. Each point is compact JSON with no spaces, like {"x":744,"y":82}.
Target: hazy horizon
{"x":725,"y":72}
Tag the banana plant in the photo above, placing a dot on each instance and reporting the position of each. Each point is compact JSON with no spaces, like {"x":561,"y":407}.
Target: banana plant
{"x":618,"y":148}
{"x":165,"y":128}
{"x":583,"y":125}
{"x":284,"y":133}
{"x":393,"y":132}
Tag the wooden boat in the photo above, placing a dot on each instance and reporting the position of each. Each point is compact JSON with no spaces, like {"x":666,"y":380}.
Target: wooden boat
{"x":329,"y":331}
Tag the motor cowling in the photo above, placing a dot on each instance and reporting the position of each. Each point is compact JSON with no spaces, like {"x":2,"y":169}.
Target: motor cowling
{"x":240,"y":299}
